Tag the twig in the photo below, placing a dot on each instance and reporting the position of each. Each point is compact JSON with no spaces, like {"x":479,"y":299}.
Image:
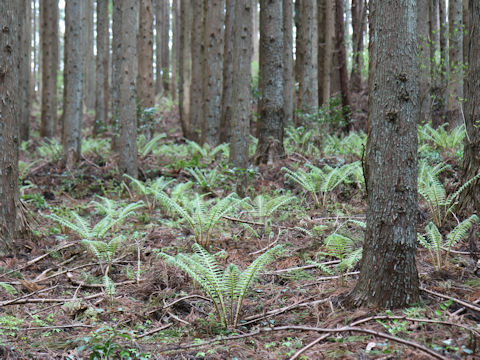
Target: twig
{"x":459,"y":311}
{"x":176,"y":301}
{"x":177,"y":318}
{"x":306,"y":328}
{"x":154,"y":331}
{"x":84,"y":284}
{"x":57,"y":327}
{"x":310,"y":266}
{"x":325,"y":278}
{"x":267,"y":247}
{"x":458,"y":301}
{"x":8,"y":302}
{"x":53,"y":300}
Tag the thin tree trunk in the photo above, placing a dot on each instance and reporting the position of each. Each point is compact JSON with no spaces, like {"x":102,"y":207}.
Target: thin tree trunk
{"x":198,"y":54}
{"x":35,"y":64}
{"x":255,"y":33}
{"x":24,"y":64}
{"x":185,"y":64}
{"x":329,"y":51}
{"x":455,"y":46}
{"x":270,"y":124}
{"x":175,"y":46}
{"x":212,"y":71}
{"x":161,"y":50}
{"x":359,"y":11}
{"x":9,"y":139}
{"x":322,"y":38}
{"x":89,"y":86}
{"x":388,"y":274}
{"x":49,"y":41}
{"x":424,"y":43}
{"x":127,"y":106}
{"x":444,"y":63}
{"x":103,"y":54}
{"x":145,"y":57}
{"x":74,"y":75}
{"x":342,"y":61}
{"x":117,"y":50}
{"x":288,"y":85}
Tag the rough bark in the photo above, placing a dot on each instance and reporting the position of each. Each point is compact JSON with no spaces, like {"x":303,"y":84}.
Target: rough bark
{"x":102,"y":59}
{"x":342,"y":61}
{"x":444,"y":68}
{"x":471,"y":152}
{"x":328,"y":69}
{"x":49,"y":44}
{"x":198,"y":54}
{"x":127,"y":106}
{"x":175,"y":46}
{"x":117,"y":49}
{"x":255,"y":33}
{"x":270,"y":124}
{"x":307,"y":57}
{"x":288,"y":88}
{"x":388,"y":274}
{"x":455,"y":47}
{"x":321,"y":28}
{"x":359,"y":15}
{"x":9,"y":132}
{"x":145,"y":55}
{"x":241,"y":97}
{"x":35,"y":63}
{"x":227,"y":93}
{"x":424,"y":45}
{"x":162,"y":26}
{"x":185,"y":64}
{"x":24,"y":64}
{"x":74,"y":81}
{"x":89,"y":85}
{"x":212,"y":71}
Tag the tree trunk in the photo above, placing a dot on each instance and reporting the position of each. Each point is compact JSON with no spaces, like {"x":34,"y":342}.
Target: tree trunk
{"x":471,"y":157}
{"x":289,"y":86}
{"x":359,"y":14}
{"x":342,"y":61}
{"x":9,"y":139}
{"x":185,"y":64}
{"x":175,"y":46}
{"x":127,"y":105}
{"x":424,"y":43}
{"x":444,"y":68}
{"x":25,"y":68}
{"x":145,"y":57}
{"x":49,"y":43}
{"x":89,"y":85}
{"x":212,"y":71}
{"x":270,"y":124}
{"x":255,"y":34}
{"x":227,"y":93}
{"x":329,"y":51}
{"x":74,"y":81}
{"x":198,"y":54}
{"x":162,"y":26}
{"x":388,"y":274}
{"x":117,"y":49}
{"x":103,"y":54}
{"x":455,"y":79}
{"x":307,"y":58}
{"x":35,"y":62}
{"x":241,"y":96}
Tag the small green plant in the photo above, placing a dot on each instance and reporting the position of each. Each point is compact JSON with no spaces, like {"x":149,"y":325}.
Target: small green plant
{"x":200,"y":214}
{"x":225,"y":288}
{"x":50,"y":149}
{"x":148,"y":189}
{"x":96,"y":146}
{"x":263,"y":208}
{"x":146,"y":146}
{"x":434,"y":242}
{"x":320,"y":182}
{"x":206,"y":152}
{"x":298,"y":139}
{"x":206,"y":179}
{"x":441,"y":138}
{"x":352,"y":144}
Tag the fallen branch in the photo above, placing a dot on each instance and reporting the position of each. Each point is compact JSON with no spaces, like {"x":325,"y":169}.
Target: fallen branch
{"x":52,"y":300}
{"x":57,"y":327}
{"x":458,"y":301}
{"x":310,"y":266}
{"x":176,"y":301}
{"x":154,"y":331}
{"x":8,"y":302}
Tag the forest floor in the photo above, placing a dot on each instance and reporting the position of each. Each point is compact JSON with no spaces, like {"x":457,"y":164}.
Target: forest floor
{"x":62,"y":297}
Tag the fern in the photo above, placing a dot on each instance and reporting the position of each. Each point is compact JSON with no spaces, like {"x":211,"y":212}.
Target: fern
{"x":206,"y":178}
{"x":50,"y":149}
{"x":200,"y":216}
{"x":226,"y":288}
{"x":146,"y":146}
{"x":263,"y":208}
{"x":96,"y":146}
{"x":206,"y":152}
{"x":441,"y":138}
{"x":149,"y":189}
{"x":434,"y":242}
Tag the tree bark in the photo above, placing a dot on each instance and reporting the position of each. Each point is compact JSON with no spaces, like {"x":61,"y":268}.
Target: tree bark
{"x":117,"y":49}
{"x":175,"y":46}
{"x":74,"y":81}
{"x":127,"y":105}
{"x":103,"y":54}
{"x":471,"y":157}
{"x":289,"y":86}
{"x":227,"y":93}
{"x":212,"y":71}
{"x":162,"y":26}
{"x":444,"y":68}
{"x":145,"y":56}
{"x":359,"y":15}
{"x":49,"y":43}
{"x":241,"y":95}
{"x":455,"y":79}
{"x":9,"y":131}
{"x":270,"y":124}
{"x":185,"y":64}
{"x":328,"y":51}
{"x":89,"y":85}
{"x":424,"y":42}
{"x":388,"y":274}
{"x":25,"y":70}
{"x":198,"y":54}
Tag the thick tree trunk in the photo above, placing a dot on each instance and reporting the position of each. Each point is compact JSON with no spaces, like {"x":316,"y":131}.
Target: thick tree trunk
{"x":49,"y":43}
{"x":388,"y":273}
{"x":471,"y":157}
{"x":185,"y":65}
{"x":127,"y":106}
{"x":103,"y":54}
{"x":89,"y":91}
{"x":241,"y":112}
{"x":74,"y":81}
{"x":424,"y":45}
{"x":288,"y":85}
{"x":145,"y":57}
{"x":455,"y":46}
{"x":24,"y":65}
{"x":342,"y":61}
{"x":270,"y":124}
{"x":212,"y":71}
{"x":9,"y":131}
{"x":322,"y":38}
{"x":307,"y":57}
{"x":198,"y":54}
{"x":227,"y":93}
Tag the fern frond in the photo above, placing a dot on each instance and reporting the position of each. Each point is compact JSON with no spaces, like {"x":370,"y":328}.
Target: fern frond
{"x":461,"y":231}
{"x":109,"y":285}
